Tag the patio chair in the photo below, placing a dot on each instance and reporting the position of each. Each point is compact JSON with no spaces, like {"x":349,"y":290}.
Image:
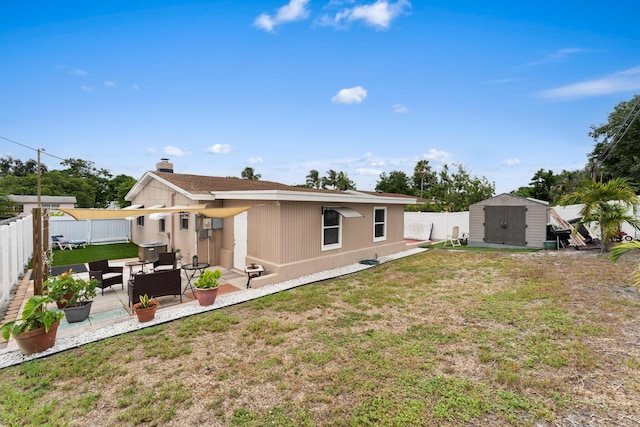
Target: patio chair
{"x":105,"y":274}
{"x":62,"y":243}
{"x":454,"y":237}
{"x":166,"y":261}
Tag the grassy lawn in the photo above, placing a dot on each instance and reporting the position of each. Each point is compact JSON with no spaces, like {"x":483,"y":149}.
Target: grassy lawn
{"x":442,"y":338}
{"x":94,"y":253}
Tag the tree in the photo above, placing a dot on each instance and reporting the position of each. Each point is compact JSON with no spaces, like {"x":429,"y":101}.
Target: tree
{"x":604,"y":203}
{"x":616,"y":150}
{"x":313,"y":179}
{"x":11,"y":166}
{"x":91,"y":186}
{"x":423,"y":177}
{"x":331,"y":180}
{"x":622,"y":249}
{"x":249,"y":173}
{"x":97,"y":179}
{"x":542,"y":183}
{"x":396,"y":182}
{"x":119,"y":186}
{"x":343,"y":183}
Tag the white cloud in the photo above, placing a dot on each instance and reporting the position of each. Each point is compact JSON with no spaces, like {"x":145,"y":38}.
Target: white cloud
{"x":255,"y":160}
{"x":78,"y":72}
{"x":378,"y":14}
{"x":369,"y":171}
{"x":88,"y":89}
{"x":295,"y":10}
{"x":219,"y":149}
{"x":109,"y":84}
{"x":354,"y":95}
{"x":557,"y":55}
{"x":628,"y":80}
{"x":175,"y":151}
{"x":436,"y":155}
{"x":399,"y":108}
{"x":511,"y":162}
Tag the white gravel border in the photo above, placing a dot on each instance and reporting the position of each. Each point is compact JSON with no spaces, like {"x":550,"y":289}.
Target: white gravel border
{"x":12,"y":356}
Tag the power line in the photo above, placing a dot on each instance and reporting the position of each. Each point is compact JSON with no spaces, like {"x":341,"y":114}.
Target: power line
{"x":631,"y":116}
{"x":40,"y":150}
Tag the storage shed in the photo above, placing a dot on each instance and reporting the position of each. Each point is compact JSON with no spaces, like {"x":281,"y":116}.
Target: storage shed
{"x":508,"y":221}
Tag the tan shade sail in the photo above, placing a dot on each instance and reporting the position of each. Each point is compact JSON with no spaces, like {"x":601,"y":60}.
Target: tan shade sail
{"x":81,"y":214}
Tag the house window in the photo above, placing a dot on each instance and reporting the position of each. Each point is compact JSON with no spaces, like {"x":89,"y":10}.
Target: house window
{"x":331,"y":230}
{"x":161,"y":225}
{"x":379,"y":224}
{"x":140,"y":221}
{"x":184,"y":221}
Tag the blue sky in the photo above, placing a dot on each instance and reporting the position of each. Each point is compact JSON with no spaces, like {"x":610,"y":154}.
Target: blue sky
{"x":364,"y":87}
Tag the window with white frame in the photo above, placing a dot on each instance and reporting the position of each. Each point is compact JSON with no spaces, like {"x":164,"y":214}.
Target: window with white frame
{"x":331,"y":230}
{"x":184,"y":220}
{"x":379,"y":224}
{"x":161,"y":225}
{"x":140,"y":221}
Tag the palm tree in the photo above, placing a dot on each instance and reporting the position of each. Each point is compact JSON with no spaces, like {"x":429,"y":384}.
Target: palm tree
{"x":249,"y":173}
{"x":313,"y":179}
{"x":331,"y":180}
{"x":622,"y":249}
{"x":606,"y":204}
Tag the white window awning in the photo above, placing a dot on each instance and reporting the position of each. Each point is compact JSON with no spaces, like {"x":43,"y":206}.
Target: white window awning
{"x":345,"y":212}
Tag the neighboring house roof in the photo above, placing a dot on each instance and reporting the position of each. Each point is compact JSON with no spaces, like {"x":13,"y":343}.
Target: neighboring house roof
{"x":203,"y":188}
{"x":43,"y":199}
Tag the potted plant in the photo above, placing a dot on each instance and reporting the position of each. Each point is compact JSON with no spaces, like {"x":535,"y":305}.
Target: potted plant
{"x":146,"y":308}
{"x":206,"y":287}
{"x":60,"y":288}
{"x":74,"y":294}
{"x":36,"y":330}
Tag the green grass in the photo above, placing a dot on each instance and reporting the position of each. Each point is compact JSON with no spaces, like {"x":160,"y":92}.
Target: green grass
{"x":441,"y":338}
{"x":94,"y":253}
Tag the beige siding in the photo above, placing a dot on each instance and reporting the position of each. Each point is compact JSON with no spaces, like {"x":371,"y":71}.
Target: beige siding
{"x":285,"y":237}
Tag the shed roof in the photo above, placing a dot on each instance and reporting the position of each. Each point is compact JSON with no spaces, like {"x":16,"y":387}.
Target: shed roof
{"x":512,"y":196}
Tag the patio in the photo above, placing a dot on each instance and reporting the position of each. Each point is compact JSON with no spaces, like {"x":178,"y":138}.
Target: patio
{"x":113,"y":306}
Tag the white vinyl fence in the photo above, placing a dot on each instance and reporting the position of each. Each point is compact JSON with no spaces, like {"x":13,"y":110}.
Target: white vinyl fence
{"x":16,"y":248}
{"x":94,"y":232}
{"x":434,"y":226}
{"x":16,"y":242}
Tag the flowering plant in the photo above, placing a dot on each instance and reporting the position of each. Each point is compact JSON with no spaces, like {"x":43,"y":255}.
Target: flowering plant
{"x":70,"y":290}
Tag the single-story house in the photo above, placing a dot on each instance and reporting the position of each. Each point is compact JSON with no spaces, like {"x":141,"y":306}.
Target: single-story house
{"x":510,"y":221}
{"x":52,"y":203}
{"x":290,"y":231}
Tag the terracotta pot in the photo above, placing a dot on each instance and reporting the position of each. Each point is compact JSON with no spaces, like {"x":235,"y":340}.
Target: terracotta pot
{"x":206,"y":296}
{"x":37,"y":340}
{"x":146,"y":314}
{"x":67,"y":297}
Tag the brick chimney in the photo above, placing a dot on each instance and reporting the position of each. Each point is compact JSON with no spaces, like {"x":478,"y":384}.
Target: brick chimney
{"x":164,"y":166}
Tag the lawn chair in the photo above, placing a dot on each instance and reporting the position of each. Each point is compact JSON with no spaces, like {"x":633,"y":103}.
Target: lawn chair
{"x":105,"y":274}
{"x":166,"y":261}
{"x":454,"y":237}
{"x":62,"y":243}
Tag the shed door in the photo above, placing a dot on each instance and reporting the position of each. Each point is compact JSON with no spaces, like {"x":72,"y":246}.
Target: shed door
{"x":505,"y":225}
